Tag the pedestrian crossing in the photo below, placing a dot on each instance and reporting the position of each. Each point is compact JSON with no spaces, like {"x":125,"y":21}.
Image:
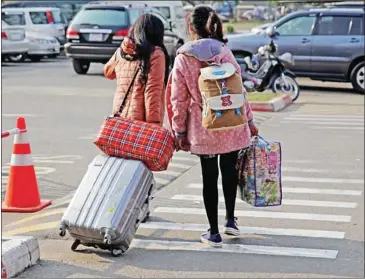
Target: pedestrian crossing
{"x":178,"y":217}
{"x":187,"y":205}
{"x":350,"y":123}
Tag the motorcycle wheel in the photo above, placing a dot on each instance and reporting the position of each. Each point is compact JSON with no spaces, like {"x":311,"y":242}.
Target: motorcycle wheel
{"x":293,"y":88}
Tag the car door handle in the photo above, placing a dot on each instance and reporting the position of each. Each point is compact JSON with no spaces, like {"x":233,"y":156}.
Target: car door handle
{"x":305,"y":40}
{"x":354,"y":40}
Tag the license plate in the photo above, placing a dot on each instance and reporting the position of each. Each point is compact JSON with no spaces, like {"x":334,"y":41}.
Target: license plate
{"x":95,"y":37}
{"x":16,"y":36}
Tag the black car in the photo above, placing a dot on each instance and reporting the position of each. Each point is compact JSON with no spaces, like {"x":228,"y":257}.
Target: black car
{"x":99,"y":28}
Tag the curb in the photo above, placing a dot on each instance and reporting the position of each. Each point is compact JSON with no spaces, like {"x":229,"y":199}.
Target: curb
{"x":18,"y":253}
{"x":274,"y":105}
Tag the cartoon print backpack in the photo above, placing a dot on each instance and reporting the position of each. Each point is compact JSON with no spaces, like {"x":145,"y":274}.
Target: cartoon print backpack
{"x":223,"y":98}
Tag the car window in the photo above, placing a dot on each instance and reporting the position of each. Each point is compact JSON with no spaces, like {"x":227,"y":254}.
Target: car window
{"x":357,"y":27}
{"x":133,"y":15}
{"x":46,"y":17}
{"x":334,"y":25}
{"x":13,"y":19}
{"x":164,"y":21}
{"x":165,"y":11}
{"x":102,"y":17}
{"x":298,"y":26}
{"x":179,"y":12}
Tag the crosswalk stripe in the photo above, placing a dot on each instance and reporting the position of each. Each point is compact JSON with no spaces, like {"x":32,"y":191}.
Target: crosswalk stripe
{"x":245,"y":230}
{"x":328,"y":116}
{"x":284,"y":201}
{"x":170,"y":173}
{"x":163,"y":245}
{"x":300,"y":119}
{"x":322,"y":180}
{"x":310,"y":170}
{"x":325,"y":123}
{"x":186,"y":159}
{"x":300,"y":190}
{"x":162,"y":181}
{"x":177,"y":165}
{"x":337,"y":128}
{"x":259,"y":214}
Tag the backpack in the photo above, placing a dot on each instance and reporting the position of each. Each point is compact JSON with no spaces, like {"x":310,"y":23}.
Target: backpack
{"x":223,"y":98}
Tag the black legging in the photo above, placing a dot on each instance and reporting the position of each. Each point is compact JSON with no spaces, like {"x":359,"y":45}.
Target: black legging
{"x":210,"y":173}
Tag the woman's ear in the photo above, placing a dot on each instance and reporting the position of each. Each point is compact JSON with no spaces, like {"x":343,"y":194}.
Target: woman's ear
{"x":191,"y":31}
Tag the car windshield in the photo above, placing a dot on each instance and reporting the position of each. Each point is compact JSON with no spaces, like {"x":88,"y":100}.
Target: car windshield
{"x":13,"y":19}
{"x":101,"y":17}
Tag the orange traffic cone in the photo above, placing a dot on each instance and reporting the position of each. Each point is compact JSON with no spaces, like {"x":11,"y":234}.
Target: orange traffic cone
{"x":22,"y":194}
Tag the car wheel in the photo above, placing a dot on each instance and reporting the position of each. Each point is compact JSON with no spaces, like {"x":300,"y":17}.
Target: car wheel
{"x":35,"y":58}
{"x":53,"y":56}
{"x":16,"y":58}
{"x":358,"y":77}
{"x":80,"y":66}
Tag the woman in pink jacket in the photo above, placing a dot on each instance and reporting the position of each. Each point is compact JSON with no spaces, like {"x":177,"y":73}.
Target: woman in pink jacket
{"x":184,"y":110}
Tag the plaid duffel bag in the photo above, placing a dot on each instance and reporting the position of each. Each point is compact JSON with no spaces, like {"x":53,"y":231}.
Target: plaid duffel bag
{"x":137,"y":140}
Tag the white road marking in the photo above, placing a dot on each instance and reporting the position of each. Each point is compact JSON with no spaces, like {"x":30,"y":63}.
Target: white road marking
{"x":322,"y":191}
{"x":170,"y":173}
{"x":18,"y":115}
{"x":284,"y":201}
{"x":337,"y":128}
{"x":327,"y":116}
{"x":305,"y":170}
{"x":259,"y":214}
{"x":322,"y":180}
{"x":162,"y":181}
{"x":301,"y":190}
{"x":326,"y":123}
{"x":324,"y":119}
{"x":176,"y":165}
{"x":186,"y":159}
{"x":163,"y":245}
{"x":245,"y":230}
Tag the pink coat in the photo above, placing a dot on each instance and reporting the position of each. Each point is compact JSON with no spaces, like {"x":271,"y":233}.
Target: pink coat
{"x":184,"y":100}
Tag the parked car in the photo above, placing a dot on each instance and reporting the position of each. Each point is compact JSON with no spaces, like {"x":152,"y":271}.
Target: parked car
{"x":13,"y":40}
{"x":41,"y":46}
{"x":99,"y":28}
{"x":69,"y":8}
{"x":327,"y":44}
{"x":42,"y":20}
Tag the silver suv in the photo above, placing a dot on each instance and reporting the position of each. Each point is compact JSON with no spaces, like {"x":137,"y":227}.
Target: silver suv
{"x":327,"y":44}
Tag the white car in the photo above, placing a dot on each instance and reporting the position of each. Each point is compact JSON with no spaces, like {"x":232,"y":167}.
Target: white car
{"x":41,"y":46}
{"x":13,"y":41}
{"x":44,"y":21}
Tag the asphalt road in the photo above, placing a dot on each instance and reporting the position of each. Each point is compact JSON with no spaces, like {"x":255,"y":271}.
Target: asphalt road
{"x":317,"y":232}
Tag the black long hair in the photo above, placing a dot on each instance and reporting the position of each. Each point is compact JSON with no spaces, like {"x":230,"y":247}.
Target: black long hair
{"x":147,"y":33}
{"x":206,"y":23}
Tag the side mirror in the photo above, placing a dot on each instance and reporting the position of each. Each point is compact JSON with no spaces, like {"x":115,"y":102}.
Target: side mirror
{"x":271,"y":31}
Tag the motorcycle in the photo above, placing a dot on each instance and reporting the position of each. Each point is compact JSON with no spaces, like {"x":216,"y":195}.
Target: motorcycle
{"x":266,"y":70}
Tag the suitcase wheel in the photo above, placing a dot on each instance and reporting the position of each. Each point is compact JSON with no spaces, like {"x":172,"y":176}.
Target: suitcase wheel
{"x":116,"y":252}
{"x":75,"y":244}
{"x":147,"y":217}
{"x":62,"y":232}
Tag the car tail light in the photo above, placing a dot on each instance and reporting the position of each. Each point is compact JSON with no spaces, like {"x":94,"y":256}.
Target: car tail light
{"x":49,"y":17}
{"x":119,"y":35}
{"x":72,"y":34}
{"x":3,"y":35}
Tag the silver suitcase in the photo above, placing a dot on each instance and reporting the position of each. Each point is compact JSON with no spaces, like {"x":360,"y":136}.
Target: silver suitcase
{"x":109,"y":204}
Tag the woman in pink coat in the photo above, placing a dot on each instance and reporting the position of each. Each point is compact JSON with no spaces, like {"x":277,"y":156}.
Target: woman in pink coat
{"x":184,"y":109}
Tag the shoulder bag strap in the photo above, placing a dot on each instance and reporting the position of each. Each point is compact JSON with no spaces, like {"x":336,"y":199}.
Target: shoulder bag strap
{"x":128,"y":91}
